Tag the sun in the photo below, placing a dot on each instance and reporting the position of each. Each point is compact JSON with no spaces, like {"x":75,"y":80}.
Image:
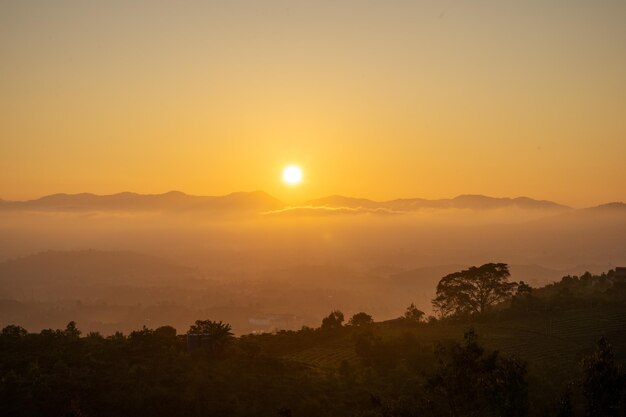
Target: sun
{"x":292,"y":174}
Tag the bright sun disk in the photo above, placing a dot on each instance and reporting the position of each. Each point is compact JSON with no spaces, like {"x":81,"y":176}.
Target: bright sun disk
{"x":292,"y":174}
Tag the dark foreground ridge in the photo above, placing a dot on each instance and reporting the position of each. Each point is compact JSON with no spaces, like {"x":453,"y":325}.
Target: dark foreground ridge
{"x":551,"y":351}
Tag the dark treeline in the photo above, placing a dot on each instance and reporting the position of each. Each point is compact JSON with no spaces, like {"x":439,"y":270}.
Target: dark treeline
{"x":396,"y":368}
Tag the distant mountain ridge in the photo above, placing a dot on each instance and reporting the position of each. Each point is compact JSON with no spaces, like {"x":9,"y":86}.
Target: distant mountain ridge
{"x":615,"y":207}
{"x":467,"y":201}
{"x":261,"y":202}
{"x":127,"y":201}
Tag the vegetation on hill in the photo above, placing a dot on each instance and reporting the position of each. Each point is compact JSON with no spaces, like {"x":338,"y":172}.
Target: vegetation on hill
{"x":539,"y":352}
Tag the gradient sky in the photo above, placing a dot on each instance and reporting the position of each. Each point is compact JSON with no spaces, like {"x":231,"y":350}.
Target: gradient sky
{"x":378,"y":99}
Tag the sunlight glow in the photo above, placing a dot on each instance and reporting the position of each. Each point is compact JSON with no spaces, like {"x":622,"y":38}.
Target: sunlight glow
{"x":292,"y":175}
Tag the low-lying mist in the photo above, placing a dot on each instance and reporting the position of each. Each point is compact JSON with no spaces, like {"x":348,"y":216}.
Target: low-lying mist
{"x":275,"y":268}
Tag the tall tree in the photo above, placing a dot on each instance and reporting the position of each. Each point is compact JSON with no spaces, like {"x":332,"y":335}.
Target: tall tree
{"x":13,"y":332}
{"x":333,"y":320}
{"x":473,"y":290}
{"x":604,"y":383}
{"x":413,"y":314}
{"x":470,"y":382}
{"x":218,"y":334}
{"x":361,"y":319}
{"x":72,"y":331}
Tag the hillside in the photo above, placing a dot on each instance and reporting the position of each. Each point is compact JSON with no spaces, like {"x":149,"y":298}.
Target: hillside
{"x":260,"y":201}
{"x":472,"y":202}
{"x":551,"y":343}
{"x":172,"y":201}
{"x":535,"y":275}
{"x":541,"y":340}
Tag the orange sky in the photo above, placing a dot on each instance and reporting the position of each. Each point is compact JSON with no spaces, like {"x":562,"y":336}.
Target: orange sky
{"x":373,"y":99}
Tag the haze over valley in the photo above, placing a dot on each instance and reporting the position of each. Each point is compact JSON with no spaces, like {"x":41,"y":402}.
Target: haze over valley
{"x":354,"y":208}
{"x":126,"y":260}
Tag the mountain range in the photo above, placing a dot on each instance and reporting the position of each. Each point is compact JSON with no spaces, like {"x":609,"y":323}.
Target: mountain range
{"x":261,"y":202}
{"x":126,"y":201}
{"x":466,"y":201}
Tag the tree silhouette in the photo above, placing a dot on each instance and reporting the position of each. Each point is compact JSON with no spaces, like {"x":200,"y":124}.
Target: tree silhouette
{"x":14,"y":332}
{"x":165,"y":332}
{"x":604,"y":383}
{"x":71,"y":330}
{"x":413,"y":314}
{"x":523,"y":289}
{"x":217,"y":334}
{"x":333,"y":320}
{"x":361,"y":319}
{"x":471,"y":382}
{"x":473,"y":290}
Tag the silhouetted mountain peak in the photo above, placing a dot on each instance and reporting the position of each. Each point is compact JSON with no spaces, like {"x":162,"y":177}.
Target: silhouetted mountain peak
{"x":616,"y":206}
{"x":464,"y":201}
{"x":255,"y":201}
{"x":259,"y":202}
{"x":478,"y":201}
